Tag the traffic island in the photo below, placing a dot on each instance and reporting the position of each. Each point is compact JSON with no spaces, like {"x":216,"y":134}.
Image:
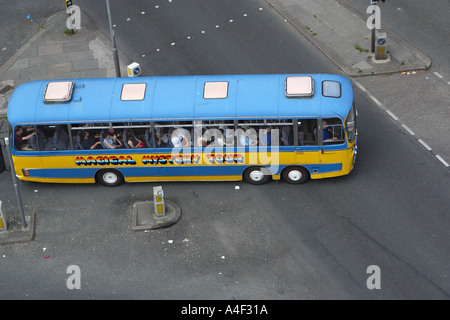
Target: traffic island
{"x":15,"y":232}
{"x":145,"y":218}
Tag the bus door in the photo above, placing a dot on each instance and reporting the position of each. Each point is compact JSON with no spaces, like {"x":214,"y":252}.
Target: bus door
{"x":26,"y":157}
{"x":308,"y":150}
{"x":331,"y":138}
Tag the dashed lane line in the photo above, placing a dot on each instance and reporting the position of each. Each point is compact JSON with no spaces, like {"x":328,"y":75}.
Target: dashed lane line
{"x":393,"y":116}
{"x":408,"y":129}
{"x":437,"y":74}
{"x":425,"y":145}
{"x":443,"y":161}
{"x":375,"y":100}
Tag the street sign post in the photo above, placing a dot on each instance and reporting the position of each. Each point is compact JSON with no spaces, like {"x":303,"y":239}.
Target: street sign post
{"x":113,"y":40}
{"x":14,"y":179}
{"x":68,"y":4}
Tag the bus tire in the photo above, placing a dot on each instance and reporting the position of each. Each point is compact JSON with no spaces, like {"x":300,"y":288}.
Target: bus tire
{"x":109,"y":177}
{"x":257,"y":175}
{"x":295,"y":175}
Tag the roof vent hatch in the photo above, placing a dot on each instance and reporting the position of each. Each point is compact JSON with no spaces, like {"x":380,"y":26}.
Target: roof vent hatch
{"x":299,"y":86}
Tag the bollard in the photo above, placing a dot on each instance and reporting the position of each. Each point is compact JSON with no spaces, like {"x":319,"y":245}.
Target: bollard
{"x":3,"y":221}
{"x":134,"y":69}
{"x":156,"y":214}
{"x":158,"y":202}
{"x":381,"y":46}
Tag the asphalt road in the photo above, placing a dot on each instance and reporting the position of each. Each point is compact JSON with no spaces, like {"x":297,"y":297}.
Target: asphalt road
{"x":207,"y":37}
{"x":275,"y":241}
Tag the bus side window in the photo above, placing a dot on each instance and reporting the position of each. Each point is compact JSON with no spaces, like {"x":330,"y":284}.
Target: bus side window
{"x":45,"y":138}
{"x":333,"y":132}
{"x":307,"y":133}
{"x":198,"y":135}
{"x":247,"y":134}
{"x":25,"y":138}
{"x":286,"y":133}
{"x":77,"y":135}
{"x":162,"y":135}
{"x":61,"y":138}
{"x":180,"y":135}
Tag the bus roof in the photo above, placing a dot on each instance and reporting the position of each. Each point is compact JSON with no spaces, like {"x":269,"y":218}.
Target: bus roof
{"x":182,"y":98}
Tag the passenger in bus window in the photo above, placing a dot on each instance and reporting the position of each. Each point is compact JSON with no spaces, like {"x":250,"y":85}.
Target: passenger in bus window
{"x":327,"y":132}
{"x":133,"y":141}
{"x":19,"y":139}
{"x":111,"y":141}
{"x":180,"y":138}
{"x":161,"y":137}
{"x":88,"y":141}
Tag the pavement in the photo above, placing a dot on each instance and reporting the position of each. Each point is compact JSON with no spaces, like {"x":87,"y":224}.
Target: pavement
{"x":335,"y":28}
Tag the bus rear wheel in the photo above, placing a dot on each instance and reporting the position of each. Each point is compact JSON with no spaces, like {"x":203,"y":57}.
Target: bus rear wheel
{"x":109,"y":177}
{"x":257,"y":175}
{"x":295,"y":175}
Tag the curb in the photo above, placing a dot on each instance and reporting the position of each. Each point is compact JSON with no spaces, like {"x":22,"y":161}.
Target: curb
{"x":423,"y":64}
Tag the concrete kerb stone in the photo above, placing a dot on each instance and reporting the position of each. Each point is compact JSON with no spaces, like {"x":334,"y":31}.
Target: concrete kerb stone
{"x":16,"y":232}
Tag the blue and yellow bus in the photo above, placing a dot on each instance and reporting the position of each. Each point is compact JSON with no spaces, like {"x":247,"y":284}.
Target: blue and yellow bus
{"x":184,"y":128}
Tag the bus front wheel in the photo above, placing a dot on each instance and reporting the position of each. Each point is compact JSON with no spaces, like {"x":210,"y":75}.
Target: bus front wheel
{"x":257,"y":175}
{"x":110,"y":177}
{"x":295,"y":175}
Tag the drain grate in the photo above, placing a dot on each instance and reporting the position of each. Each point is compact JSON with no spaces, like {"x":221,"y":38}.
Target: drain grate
{"x":5,"y":89}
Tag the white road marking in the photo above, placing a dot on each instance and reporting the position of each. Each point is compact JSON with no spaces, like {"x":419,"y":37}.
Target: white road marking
{"x":443,"y":161}
{"x":424,"y":144}
{"x":408,"y":129}
{"x":392,"y":115}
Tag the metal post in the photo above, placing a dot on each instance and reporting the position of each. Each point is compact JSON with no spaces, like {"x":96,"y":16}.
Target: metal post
{"x":372,"y":48}
{"x":16,"y":187}
{"x":68,"y":5}
{"x":113,"y":40}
